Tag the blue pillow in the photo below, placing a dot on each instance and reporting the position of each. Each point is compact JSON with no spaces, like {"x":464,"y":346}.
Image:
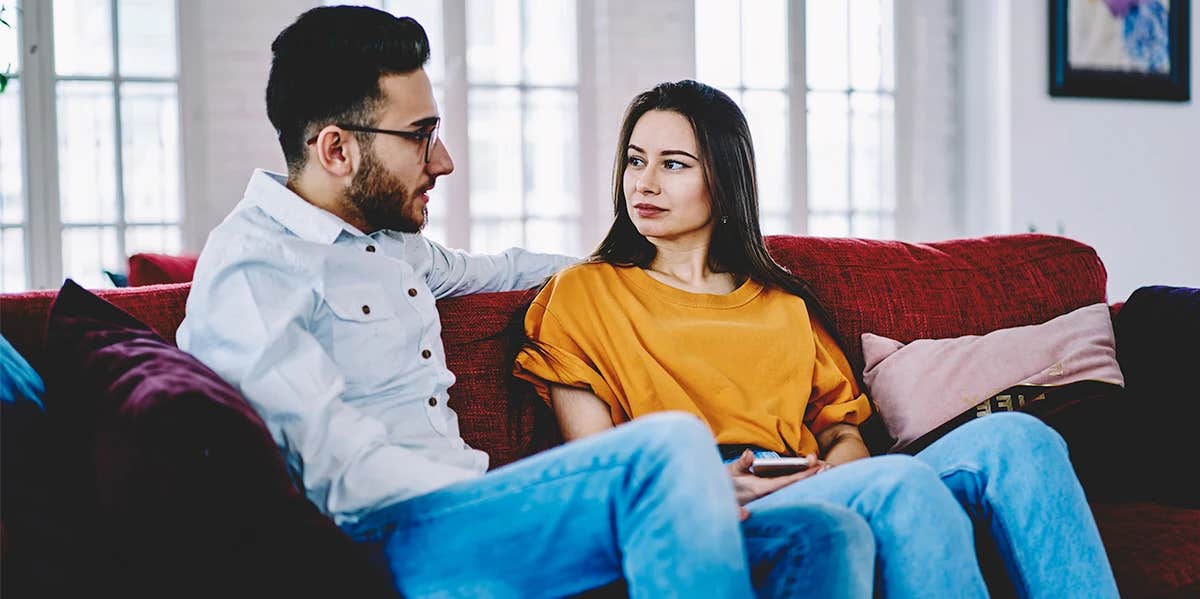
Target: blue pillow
{"x":20,"y":382}
{"x":118,"y":279}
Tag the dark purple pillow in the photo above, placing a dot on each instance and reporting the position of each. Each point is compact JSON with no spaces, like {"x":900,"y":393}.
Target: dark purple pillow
{"x":1156,"y":332}
{"x":190,"y":492}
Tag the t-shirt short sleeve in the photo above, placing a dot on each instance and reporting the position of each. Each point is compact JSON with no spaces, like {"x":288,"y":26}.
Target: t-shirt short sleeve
{"x":835,"y":398}
{"x":553,"y":356}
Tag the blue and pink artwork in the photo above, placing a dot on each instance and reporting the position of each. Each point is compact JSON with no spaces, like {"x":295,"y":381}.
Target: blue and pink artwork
{"x":1120,"y":49}
{"x":1120,"y":35}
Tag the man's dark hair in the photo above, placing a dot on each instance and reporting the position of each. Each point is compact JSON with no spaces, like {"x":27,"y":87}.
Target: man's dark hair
{"x":326,"y":68}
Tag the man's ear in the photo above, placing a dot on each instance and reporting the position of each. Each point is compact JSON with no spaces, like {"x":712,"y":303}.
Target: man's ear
{"x":337,"y":151}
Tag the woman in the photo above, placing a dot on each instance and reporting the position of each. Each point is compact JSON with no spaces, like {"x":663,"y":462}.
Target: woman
{"x":681,"y":308}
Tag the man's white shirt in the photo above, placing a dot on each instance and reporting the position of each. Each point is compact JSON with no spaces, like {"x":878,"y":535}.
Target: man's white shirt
{"x":333,"y":337}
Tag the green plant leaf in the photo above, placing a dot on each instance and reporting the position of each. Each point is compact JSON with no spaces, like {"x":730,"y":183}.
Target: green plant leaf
{"x":3,"y":82}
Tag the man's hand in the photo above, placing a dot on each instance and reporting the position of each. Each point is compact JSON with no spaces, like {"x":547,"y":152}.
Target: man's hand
{"x":749,"y":487}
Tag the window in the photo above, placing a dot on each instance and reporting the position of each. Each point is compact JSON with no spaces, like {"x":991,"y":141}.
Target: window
{"x":110,"y":77}
{"x":848,"y":151}
{"x":517,"y":133}
{"x":523,"y":114}
{"x":12,"y":193}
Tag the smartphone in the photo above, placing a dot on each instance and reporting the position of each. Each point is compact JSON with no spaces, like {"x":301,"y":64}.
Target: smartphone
{"x":768,"y":467}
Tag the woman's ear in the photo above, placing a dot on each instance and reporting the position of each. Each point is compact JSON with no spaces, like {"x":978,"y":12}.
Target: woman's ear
{"x":337,"y":151}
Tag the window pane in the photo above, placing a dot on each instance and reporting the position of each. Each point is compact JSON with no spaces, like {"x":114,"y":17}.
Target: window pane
{"x":10,"y":57}
{"x":767,"y":115}
{"x":828,"y":225}
{"x":867,"y":225}
{"x":553,"y":150}
{"x":150,"y":151}
{"x":717,"y":43}
{"x":83,"y":37}
{"x":438,"y":209}
{"x":776,"y":224}
{"x":825,"y":54}
{"x":827,"y":146}
{"x":12,"y":262}
{"x":887,"y":46}
{"x":734,"y":94}
{"x":86,"y":152}
{"x":87,"y":252}
{"x":435,"y":230}
{"x":865,"y":56}
{"x":887,"y":151}
{"x":146,"y":38}
{"x":492,"y":237}
{"x":494,"y":41}
{"x":765,"y":52}
{"x":495,"y":139}
{"x":550,"y":49}
{"x":372,"y":3}
{"x":12,"y":174}
{"x":159,"y":240}
{"x":429,"y":14}
{"x":866,"y":169}
{"x":554,"y":236}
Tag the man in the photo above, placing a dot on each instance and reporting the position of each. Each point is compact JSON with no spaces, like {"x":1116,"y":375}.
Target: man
{"x":316,"y":298}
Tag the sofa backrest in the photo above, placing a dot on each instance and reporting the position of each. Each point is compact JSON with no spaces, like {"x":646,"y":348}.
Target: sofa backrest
{"x":899,"y":290}
{"x":908,"y":291}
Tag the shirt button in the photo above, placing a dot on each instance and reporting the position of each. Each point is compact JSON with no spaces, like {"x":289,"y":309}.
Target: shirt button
{"x":366,"y":309}
{"x":433,"y":402}
{"x":426,"y":353}
{"x":371,"y":248}
{"x":412,"y":293}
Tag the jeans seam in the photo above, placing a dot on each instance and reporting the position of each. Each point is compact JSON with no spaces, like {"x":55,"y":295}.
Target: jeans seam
{"x":1020,"y":579}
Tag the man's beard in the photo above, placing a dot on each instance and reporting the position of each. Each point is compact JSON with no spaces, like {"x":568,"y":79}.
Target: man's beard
{"x":383,"y":200}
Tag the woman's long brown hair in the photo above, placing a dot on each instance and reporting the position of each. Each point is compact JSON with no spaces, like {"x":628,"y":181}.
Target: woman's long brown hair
{"x":727,"y":155}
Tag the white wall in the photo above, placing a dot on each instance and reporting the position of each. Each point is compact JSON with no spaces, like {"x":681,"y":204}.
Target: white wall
{"x":225,"y":53}
{"x":1120,"y":175}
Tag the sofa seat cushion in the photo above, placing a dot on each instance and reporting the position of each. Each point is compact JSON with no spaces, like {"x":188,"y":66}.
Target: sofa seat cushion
{"x":1154,"y":549}
{"x":188,"y":488}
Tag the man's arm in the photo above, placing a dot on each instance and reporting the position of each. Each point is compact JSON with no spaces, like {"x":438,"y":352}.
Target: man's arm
{"x":251,"y":324}
{"x":456,"y":272}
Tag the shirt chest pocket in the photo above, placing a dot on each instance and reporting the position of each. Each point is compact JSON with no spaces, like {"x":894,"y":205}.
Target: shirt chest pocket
{"x":365,"y":333}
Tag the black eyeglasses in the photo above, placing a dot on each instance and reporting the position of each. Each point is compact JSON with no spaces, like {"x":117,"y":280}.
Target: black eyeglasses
{"x":427,"y":136}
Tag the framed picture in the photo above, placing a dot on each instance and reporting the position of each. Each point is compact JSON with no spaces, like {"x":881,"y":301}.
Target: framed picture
{"x":1120,"y":49}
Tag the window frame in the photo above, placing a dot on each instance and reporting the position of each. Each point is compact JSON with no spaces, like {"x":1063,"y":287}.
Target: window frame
{"x":44,"y":228}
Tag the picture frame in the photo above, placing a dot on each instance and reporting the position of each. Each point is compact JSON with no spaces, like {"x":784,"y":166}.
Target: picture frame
{"x":1129,"y":49}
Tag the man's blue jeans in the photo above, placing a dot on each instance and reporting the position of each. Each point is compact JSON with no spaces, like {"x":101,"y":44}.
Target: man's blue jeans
{"x":1006,"y":474}
{"x":649,"y":501}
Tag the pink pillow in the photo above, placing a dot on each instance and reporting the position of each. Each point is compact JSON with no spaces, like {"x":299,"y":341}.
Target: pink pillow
{"x":921,"y":385}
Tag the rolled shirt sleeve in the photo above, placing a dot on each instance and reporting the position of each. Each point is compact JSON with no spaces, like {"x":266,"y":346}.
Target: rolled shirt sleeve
{"x":834,"y":400}
{"x":454,"y":272}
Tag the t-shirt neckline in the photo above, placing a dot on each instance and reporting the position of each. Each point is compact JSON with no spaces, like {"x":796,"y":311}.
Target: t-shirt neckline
{"x":745,"y":292}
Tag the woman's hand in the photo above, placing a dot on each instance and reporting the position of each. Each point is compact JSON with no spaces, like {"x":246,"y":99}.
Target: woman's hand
{"x":749,"y":487}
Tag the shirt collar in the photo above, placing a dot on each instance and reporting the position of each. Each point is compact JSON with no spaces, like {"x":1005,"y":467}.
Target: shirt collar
{"x":269,"y":192}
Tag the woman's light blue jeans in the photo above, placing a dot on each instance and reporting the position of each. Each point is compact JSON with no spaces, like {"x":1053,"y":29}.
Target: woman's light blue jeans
{"x":1007,"y":476}
{"x":649,"y":501}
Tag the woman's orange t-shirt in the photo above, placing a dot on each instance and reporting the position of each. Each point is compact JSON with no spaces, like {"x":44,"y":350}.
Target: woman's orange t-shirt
{"x":748,"y":363}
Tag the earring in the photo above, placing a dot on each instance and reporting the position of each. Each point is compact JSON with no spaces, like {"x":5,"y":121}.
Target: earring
{"x":724,"y":220}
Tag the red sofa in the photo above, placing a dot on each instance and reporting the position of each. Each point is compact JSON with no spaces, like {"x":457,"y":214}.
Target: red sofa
{"x":899,"y":290}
